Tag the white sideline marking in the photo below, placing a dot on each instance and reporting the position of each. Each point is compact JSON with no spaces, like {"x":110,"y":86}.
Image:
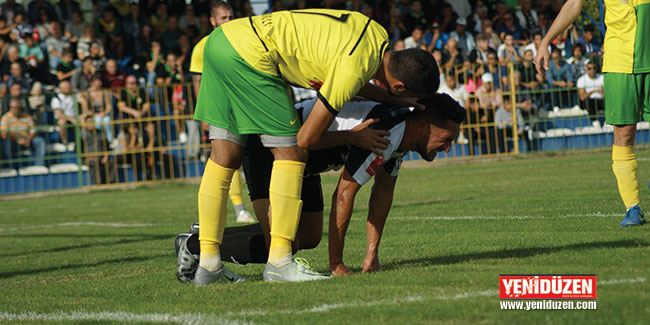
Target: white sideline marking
{"x":200,"y":318}
{"x":117,"y":317}
{"x":408,"y":299}
{"x":74,"y":224}
{"x":598,"y":214}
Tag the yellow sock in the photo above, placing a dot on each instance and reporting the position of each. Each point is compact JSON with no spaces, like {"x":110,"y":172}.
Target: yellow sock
{"x":213,"y":195}
{"x":235,"y":189}
{"x":625,"y":167}
{"x":284,"y":194}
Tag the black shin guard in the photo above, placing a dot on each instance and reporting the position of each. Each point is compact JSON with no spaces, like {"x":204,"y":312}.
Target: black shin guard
{"x":241,"y":245}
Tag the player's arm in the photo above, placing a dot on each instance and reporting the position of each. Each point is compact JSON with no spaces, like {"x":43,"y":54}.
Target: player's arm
{"x":381,"y":199}
{"x":379,"y":94}
{"x":342,"y":205}
{"x":569,"y":12}
{"x":196,"y":82}
{"x":361,"y":136}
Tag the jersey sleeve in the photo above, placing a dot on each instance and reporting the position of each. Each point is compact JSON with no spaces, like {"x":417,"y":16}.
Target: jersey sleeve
{"x":581,"y":82}
{"x":196,"y":62}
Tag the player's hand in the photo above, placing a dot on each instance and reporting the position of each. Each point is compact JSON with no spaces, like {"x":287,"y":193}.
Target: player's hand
{"x":370,"y":139}
{"x":541,"y":59}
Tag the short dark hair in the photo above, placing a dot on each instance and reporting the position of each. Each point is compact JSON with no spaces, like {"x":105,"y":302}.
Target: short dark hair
{"x":439,"y":109}
{"x":214,"y":5}
{"x":589,"y":28}
{"x":417,"y":69}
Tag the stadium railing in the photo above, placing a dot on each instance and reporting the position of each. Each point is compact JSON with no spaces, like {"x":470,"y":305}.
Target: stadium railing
{"x":147,"y":134}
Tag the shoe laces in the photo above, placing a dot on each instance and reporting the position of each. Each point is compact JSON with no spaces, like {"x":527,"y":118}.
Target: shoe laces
{"x":304,"y":264}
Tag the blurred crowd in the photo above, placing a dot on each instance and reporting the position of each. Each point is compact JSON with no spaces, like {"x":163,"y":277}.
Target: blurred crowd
{"x":119,"y":66}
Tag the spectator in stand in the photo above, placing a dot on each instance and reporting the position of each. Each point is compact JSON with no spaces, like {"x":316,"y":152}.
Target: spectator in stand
{"x":498,"y":72}
{"x":464,"y":38}
{"x":481,"y":134}
{"x":42,"y":28}
{"x":134,"y":102}
{"x":37,"y":7}
{"x":66,"y":69}
{"x":454,"y":55}
{"x":18,"y":76}
{"x":130,"y":140}
{"x":415,"y":17}
{"x":508,"y":51}
{"x":11,"y":56}
{"x":530,"y":79}
{"x":133,"y":23}
{"x":396,"y":29}
{"x":415,"y":40}
{"x":543,"y":21}
{"x":98,"y":104}
{"x":109,"y":29}
{"x":591,"y":44}
{"x":447,"y":18}
{"x":20,"y":28}
{"x":399,"y":45}
{"x":461,"y":7}
{"x":436,"y":39}
{"x":15,"y":93}
{"x":5,"y":29}
{"x":489,"y":97}
{"x":169,"y":38}
{"x":85,"y":42}
{"x":65,"y":9}
{"x":591,"y":88}
{"x":65,"y":111}
{"x":440,"y":59}
{"x":38,"y":105}
{"x":96,"y":56}
{"x":74,"y":29}
{"x":189,"y":19}
{"x":500,"y":9}
{"x":455,"y":90}
{"x":493,"y":39}
{"x":578,"y":61}
{"x":159,"y":19}
{"x":143,"y":43}
{"x":503,"y":118}
{"x":112,"y":76}
{"x":510,"y":26}
{"x":101,"y":171}
{"x":10,"y":8}
{"x":476,"y":20}
{"x":537,"y":39}
{"x":31,"y":52}
{"x":560,"y":75}
{"x":56,"y":43}
{"x":18,"y":134}
{"x":480,"y":53}
{"x":527,"y":16}
{"x":81,"y":78}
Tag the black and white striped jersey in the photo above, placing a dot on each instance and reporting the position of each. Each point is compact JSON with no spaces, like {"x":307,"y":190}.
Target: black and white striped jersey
{"x":360,"y":163}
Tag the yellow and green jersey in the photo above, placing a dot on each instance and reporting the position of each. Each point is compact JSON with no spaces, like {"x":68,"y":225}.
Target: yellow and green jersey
{"x":333,"y":51}
{"x":627,"y":41}
{"x":196,"y":62}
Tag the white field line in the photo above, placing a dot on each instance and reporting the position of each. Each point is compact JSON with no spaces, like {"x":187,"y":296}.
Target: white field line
{"x":208,"y":319}
{"x":408,"y":299}
{"x":119,"y":316}
{"x":599,"y":215}
{"x":76,"y":224}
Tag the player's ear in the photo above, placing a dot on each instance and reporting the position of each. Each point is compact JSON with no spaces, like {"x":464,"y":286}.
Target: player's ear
{"x":213,"y":22}
{"x":398,"y":87}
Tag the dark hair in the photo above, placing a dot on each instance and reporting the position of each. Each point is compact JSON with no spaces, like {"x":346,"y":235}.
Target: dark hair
{"x":220,"y":3}
{"x":506,"y":98}
{"x":578,"y":45}
{"x":589,"y":28}
{"x":419,"y":27}
{"x":417,"y":69}
{"x":440,"y":108}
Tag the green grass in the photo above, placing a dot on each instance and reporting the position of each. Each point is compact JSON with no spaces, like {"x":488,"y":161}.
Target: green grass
{"x":436,"y":270}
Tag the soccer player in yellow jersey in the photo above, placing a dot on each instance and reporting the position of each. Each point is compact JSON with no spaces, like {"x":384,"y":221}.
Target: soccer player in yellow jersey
{"x":220,"y":12}
{"x":247,"y":66}
{"x":626,"y":67}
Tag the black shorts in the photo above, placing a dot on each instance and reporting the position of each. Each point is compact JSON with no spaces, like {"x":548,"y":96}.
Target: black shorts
{"x":257,"y":164}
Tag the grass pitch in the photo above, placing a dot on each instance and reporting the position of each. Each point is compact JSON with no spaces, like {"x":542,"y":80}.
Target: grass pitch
{"x":453,"y":229}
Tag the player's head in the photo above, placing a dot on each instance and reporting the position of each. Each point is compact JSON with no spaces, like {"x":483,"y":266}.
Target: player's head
{"x":437,"y":125}
{"x":220,"y":13}
{"x":413,"y":73}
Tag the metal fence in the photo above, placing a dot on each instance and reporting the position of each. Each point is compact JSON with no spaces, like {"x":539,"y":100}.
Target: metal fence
{"x":146,"y":134}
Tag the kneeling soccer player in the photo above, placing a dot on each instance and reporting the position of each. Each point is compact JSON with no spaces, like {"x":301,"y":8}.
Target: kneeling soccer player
{"x":426,"y":132}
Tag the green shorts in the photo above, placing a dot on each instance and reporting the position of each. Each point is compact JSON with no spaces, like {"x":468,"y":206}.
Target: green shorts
{"x":627,"y":98}
{"x":237,"y":97}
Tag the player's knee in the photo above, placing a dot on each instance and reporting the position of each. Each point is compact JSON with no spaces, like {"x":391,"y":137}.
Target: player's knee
{"x":310,"y":241}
